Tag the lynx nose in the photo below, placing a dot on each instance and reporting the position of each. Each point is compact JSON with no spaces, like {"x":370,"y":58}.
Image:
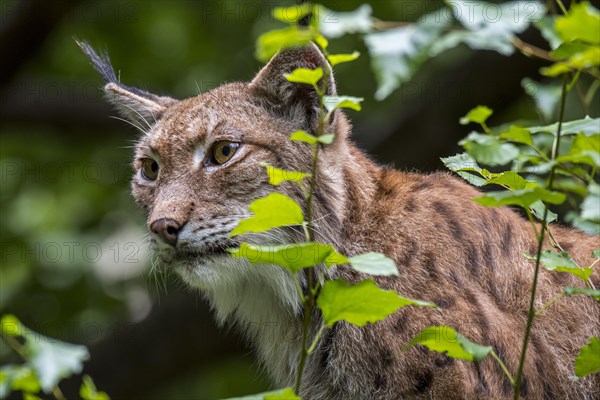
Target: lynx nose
{"x":167,"y":229}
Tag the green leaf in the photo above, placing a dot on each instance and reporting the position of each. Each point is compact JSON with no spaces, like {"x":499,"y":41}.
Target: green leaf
{"x":581,"y":23}
{"x":271,"y":42}
{"x":276,"y":175}
{"x":333,"y":102}
{"x":292,"y":14}
{"x":488,"y":149}
{"x":335,"y":59}
{"x":88,"y":390}
{"x":17,"y":378}
{"x":537,"y":208}
{"x":555,"y":70}
{"x":302,"y":136}
{"x":463,"y":164}
{"x":517,"y":134}
{"x":11,"y":326}
{"x":584,"y":150}
{"x":509,"y":179}
{"x":445,"y":340}
{"x":545,"y":96}
{"x":53,"y":360}
{"x":326,"y":139}
{"x":587,"y":226}
{"x":588,"y":360}
{"x":281,"y":394}
{"x":589,"y":207}
{"x":546,"y":26}
{"x":305,"y":75}
{"x":581,"y":57}
{"x":396,"y":54}
{"x":321,"y":41}
{"x":285,"y":394}
{"x":293,"y":257}
{"x":569,"y":49}
{"x":523,"y":197}
{"x":334,"y":24}
{"x":587,"y":157}
{"x":562,"y":262}
{"x":595,"y":293}
{"x":50,"y":359}
{"x":6,"y":372}
{"x":359,"y":304}
{"x":486,"y":33}
{"x":566,"y":184}
{"x":373,"y":264}
{"x":478,"y":115}
{"x":272,"y":211}
{"x":588,"y":126}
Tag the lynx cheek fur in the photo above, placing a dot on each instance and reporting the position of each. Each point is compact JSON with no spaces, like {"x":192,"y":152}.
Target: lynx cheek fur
{"x":449,"y":250}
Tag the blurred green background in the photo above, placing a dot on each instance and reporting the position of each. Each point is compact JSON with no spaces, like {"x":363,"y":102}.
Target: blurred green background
{"x":74,"y":258}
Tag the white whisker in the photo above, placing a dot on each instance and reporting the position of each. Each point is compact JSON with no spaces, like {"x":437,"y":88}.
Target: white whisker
{"x":136,"y":126}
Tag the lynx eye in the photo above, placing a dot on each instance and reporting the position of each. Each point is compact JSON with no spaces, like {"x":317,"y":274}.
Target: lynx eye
{"x":149,"y":169}
{"x":223,"y":151}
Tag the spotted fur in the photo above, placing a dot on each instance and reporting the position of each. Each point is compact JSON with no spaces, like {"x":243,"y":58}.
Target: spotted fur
{"x":449,"y":250}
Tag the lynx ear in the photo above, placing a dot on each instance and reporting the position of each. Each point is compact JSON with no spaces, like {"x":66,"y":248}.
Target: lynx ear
{"x":294,"y":100}
{"x":141,"y":108}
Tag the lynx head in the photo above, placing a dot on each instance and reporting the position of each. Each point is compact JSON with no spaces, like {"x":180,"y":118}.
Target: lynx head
{"x":198,"y":163}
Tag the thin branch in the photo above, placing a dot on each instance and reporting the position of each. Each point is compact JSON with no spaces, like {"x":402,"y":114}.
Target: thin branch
{"x":316,"y":339}
{"x":14,"y":344}
{"x":562,"y":6}
{"x":313,"y":287}
{"x":548,"y":304}
{"x":58,"y":394}
{"x":531,"y":50}
{"x":503,"y":366}
{"x":383,"y":25}
{"x":531,"y":314}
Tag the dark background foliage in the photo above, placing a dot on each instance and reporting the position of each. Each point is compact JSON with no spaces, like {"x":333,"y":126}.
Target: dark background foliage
{"x":74,"y":260}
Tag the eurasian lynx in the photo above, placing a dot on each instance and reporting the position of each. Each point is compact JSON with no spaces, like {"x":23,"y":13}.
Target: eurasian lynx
{"x":198,"y":166}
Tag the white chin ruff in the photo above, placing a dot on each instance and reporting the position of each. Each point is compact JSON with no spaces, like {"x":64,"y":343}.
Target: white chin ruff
{"x":260,"y":299}
{"x":234,"y":284}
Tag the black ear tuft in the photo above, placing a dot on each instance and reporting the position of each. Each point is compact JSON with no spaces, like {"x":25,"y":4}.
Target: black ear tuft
{"x":295,"y":100}
{"x":138,"y":106}
{"x":100,"y":62}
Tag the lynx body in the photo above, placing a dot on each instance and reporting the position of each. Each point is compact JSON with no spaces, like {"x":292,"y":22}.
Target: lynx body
{"x":464,"y":257}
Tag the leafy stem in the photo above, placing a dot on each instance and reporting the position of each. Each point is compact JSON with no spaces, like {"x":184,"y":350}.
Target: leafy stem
{"x":308,"y":308}
{"x":14,"y":344}
{"x":531,"y":50}
{"x":544,"y":226}
{"x":503,"y":366}
{"x":532,"y":220}
{"x":548,"y":304}
{"x":311,"y":192}
{"x":309,"y":300}
{"x":316,"y":339}
{"x":562,"y":6}
{"x":20,"y":349}
{"x":58,"y":394}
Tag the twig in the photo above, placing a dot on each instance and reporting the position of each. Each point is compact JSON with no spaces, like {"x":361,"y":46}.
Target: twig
{"x":383,"y":25}
{"x":531,"y":50}
{"x":531,"y":314}
{"x":313,"y":287}
{"x":503,"y":366}
{"x":548,"y":304}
